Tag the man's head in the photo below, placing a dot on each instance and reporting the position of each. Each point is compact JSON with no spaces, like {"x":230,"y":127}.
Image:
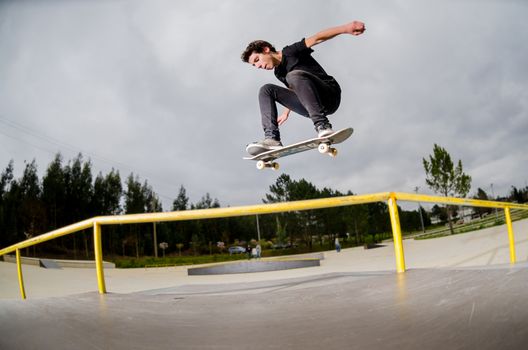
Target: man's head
{"x":260,"y":54}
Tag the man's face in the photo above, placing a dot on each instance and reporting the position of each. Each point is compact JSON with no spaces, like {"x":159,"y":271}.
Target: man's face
{"x":262,"y":60}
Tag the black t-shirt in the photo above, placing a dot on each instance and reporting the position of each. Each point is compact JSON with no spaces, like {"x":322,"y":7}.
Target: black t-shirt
{"x":299,"y":57}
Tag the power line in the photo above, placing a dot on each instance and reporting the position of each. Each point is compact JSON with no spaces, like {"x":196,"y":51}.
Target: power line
{"x":36,"y":134}
{"x":56,"y":142}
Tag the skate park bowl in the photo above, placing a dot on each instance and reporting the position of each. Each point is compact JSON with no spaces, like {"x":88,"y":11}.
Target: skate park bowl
{"x":344,"y":303}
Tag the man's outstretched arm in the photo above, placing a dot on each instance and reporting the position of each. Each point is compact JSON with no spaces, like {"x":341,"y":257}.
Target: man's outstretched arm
{"x":354,"y":28}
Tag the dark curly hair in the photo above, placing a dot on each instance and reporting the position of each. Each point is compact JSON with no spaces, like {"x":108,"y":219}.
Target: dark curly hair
{"x":257,"y":46}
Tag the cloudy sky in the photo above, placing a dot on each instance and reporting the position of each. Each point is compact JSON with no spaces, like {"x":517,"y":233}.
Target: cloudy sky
{"x":157,"y":88}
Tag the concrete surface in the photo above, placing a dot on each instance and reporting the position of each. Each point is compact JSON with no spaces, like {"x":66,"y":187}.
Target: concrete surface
{"x":90,"y":264}
{"x":459,"y":293}
{"x":422,"y":309}
{"x":252,"y":266}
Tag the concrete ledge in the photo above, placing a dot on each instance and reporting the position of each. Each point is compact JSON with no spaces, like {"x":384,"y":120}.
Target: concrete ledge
{"x":253,"y":266}
{"x":61,"y":263}
{"x":319,"y":255}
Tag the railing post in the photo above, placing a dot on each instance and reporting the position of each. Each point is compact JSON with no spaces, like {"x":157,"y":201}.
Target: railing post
{"x":510,"y":234}
{"x":98,"y":250}
{"x":396,"y":234}
{"x":20,"y":277}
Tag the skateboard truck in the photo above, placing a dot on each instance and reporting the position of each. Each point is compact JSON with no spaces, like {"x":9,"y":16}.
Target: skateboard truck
{"x":325,"y":148}
{"x":270,"y":164}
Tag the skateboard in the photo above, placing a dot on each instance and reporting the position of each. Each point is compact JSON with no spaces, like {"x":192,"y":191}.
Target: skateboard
{"x":323,"y":144}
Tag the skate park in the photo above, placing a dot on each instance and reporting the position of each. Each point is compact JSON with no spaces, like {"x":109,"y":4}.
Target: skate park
{"x":151,"y":98}
{"x":460,"y":291}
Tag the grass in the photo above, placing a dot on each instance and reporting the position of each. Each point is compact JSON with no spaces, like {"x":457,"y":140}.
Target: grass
{"x":490,"y":221}
{"x":125,"y":263}
{"x":146,"y":262}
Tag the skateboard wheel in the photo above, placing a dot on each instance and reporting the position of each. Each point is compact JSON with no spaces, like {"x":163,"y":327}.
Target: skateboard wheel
{"x":261,"y":165}
{"x":323,"y":148}
{"x":333,"y":152}
{"x":275,"y":166}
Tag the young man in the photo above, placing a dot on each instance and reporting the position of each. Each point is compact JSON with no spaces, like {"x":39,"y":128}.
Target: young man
{"x":309,"y":91}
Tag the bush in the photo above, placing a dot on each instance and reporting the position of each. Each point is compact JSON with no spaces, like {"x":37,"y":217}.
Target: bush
{"x":175,"y":261}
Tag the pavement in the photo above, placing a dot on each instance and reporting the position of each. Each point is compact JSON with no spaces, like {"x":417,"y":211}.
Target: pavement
{"x":458,"y":292}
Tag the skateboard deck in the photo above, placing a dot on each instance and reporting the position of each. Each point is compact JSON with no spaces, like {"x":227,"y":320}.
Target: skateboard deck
{"x":267,"y":159}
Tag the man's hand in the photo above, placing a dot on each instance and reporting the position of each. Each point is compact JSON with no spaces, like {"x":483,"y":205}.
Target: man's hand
{"x":355,"y":28}
{"x":281,"y":119}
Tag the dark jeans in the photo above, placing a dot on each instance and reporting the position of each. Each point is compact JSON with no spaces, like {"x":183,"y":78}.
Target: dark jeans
{"x":308,"y":96}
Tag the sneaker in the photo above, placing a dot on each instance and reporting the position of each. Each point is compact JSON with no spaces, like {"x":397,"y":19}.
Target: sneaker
{"x":255,"y":148}
{"x":324,"y":130}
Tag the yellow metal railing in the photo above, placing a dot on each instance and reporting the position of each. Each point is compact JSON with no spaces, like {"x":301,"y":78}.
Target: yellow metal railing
{"x":390,"y":197}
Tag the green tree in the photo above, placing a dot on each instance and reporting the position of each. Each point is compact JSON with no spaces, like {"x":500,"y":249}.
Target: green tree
{"x":134,"y":204}
{"x":13,"y":225}
{"x":517,"y":195}
{"x":332,"y":222}
{"x":182,"y":201}
{"x":208,"y":230}
{"x":482,"y":195}
{"x":135,"y":200}
{"x":444,"y":178}
{"x":107,"y":194}
{"x":410,"y":220}
{"x":79,"y":198}
{"x":357,"y":220}
{"x":152,"y":201}
{"x":5,"y":184}
{"x":54,"y":193}
{"x":152,"y":205}
{"x":5,"y":179}
{"x":79,"y":189}
{"x":378,"y":218}
{"x":304,"y":224}
{"x":282,"y":236}
{"x":31,"y":212}
{"x":206,"y":202}
{"x":329,"y":222}
{"x":180,"y":228}
{"x":279,"y":192}
{"x":140,"y":198}
{"x":439,"y":212}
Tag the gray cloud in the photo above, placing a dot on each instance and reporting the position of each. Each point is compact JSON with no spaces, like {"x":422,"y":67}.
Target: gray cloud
{"x":158,"y":88}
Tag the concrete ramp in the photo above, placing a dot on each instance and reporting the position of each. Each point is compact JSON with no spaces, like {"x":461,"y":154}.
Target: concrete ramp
{"x":477,"y":308}
{"x":49,"y":264}
{"x":253,"y":266}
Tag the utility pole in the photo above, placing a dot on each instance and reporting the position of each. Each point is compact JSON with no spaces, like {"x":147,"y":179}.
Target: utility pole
{"x":156,"y":242}
{"x":493,"y":195}
{"x":258,"y":228}
{"x":420,"y":210}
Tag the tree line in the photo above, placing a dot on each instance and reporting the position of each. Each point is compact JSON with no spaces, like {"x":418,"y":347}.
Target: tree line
{"x":359,"y":223}
{"x":69,"y":193}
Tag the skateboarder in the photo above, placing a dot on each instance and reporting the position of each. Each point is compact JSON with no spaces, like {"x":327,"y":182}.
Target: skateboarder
{"x":309,"y":91}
